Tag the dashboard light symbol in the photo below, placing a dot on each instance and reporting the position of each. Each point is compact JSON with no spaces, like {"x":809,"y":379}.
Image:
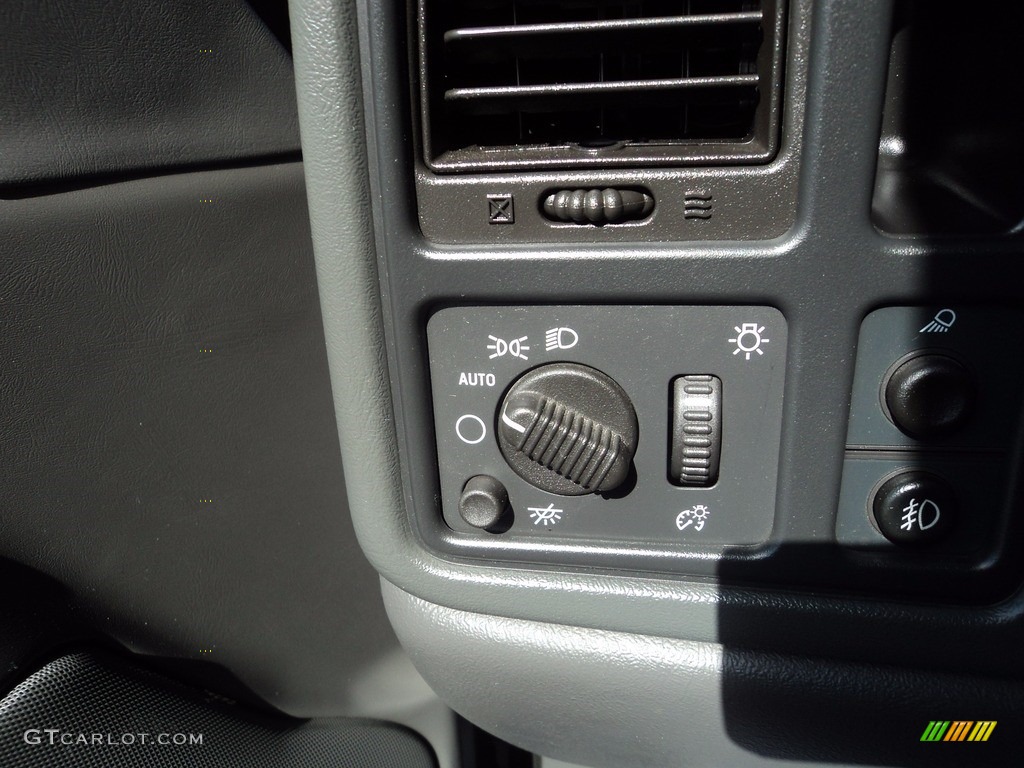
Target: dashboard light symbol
{"x":941,"y":323}
{"x":513,"y":348}
{"x":560,"y":338}
{"x":545,"y":516}
{"x":749,"y":339}
{"x":696,"y":516}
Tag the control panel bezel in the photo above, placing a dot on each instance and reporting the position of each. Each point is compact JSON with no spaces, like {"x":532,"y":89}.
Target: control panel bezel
{"x":976,"y":460}
{"x":644,"y":349}
{"x":825,"y":273}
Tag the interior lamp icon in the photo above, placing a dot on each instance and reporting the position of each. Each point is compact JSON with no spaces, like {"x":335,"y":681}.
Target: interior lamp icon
{"x":941,"y":323}
{"x":749,"y":339}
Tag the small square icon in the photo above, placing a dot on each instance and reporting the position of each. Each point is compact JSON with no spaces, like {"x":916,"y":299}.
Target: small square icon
{"x":500,"y":209}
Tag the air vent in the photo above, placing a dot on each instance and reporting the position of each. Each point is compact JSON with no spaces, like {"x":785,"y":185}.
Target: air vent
{"x":520,"y":84}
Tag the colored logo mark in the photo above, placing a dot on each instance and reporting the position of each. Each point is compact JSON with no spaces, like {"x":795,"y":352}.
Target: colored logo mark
{"x":958,"y":730}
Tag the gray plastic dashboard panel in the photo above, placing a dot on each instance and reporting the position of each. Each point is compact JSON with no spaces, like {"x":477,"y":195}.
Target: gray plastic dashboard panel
{"x":477,"y":352}
{"x":977,"y":461}
{"x":380,"y":281}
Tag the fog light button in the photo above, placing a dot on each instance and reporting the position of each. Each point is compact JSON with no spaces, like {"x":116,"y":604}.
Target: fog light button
{"x":914,"y":508}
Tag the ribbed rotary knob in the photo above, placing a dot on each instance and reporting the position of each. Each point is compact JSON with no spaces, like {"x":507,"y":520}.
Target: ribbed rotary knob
{"x":568,"y":429}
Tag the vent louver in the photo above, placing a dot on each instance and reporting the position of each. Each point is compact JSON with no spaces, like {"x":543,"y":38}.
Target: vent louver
{"x":519,"y":84}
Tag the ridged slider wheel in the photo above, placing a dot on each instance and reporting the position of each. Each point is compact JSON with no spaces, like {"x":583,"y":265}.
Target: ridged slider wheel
{"x":568,"y":429}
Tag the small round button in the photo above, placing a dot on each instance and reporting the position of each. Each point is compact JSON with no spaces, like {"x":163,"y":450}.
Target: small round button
{"x":484,"y":504}
{"x":930,"y":396}
{"x":914,"y":508}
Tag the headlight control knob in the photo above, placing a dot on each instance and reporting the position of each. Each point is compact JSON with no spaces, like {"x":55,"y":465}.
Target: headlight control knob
{"x":568,"y":429}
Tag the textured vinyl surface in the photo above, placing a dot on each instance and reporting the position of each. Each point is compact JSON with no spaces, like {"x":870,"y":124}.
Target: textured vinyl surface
{"x":98,"y":87}
{"x":98,"y":715}
{"x":168,"y":449}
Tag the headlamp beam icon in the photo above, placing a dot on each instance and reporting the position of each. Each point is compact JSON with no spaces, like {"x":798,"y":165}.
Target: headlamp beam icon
{"x":941,"y":323}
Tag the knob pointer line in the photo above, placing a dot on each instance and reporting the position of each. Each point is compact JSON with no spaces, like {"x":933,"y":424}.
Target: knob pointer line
{"x":506,"y":420}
